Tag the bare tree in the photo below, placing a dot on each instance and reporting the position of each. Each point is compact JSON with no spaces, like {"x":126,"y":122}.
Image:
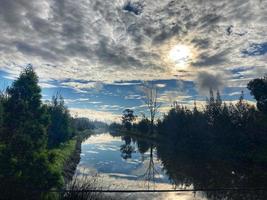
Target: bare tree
{"x":151,"y":100}
{"x":151,"y":171}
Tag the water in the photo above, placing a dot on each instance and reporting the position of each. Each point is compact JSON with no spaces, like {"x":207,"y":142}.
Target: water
{"x":130,"y":163}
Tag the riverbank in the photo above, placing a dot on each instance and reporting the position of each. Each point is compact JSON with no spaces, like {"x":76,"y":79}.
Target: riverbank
{"x":153,"y":137}
{"x":71,"y":163}
{"x":67,"y":156}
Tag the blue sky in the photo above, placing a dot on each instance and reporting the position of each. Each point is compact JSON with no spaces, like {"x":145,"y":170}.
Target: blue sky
{"x":98,"y":54}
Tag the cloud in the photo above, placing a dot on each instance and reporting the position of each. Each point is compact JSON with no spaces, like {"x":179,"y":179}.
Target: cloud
{"x":110,"y":107}
{"x":206,"y":81}
{"x":160,"y":85}
{"x":104,"y":116}
{"x":211,"y":60}
{"x":111,"y":47}
{"x":125,"y":83}
{"x":134,"y":7}
{"x":46,"y":85}
{"x":80,"y":86}
{"x":82,"y":101}
{"x":133,"y":96}
{"x":111,"y":41}
{"x":168,"y":97}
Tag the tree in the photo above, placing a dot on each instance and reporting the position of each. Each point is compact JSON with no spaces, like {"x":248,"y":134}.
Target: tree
{"x":26,"y":118}
{"x":127,"y":149}
{"x":144,"y":125}
{"x":218,"y":99}
{"x":115,"y":126}
{"x":243,"y":113}
{"x":151,"y":101}
{"x":211,"y":108}
{"x":258,"y":88}
{"x":1,"y":115}
{"x":60,"y":129}
{"x":25,"y":162}
{"x":82,"y":124}
{"x":128,"y":118}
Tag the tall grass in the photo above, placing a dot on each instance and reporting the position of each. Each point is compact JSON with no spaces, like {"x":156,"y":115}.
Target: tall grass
{"x":81,"y":188}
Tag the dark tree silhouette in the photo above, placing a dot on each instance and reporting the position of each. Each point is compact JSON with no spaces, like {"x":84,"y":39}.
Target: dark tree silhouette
{"x":59,"y":129}
{"x":143,"y":126}
{"x":151,"y":101}
{"x":128,"y":118}
{"x":24,"y":162}
{"x":258,"y":88}
{"x":127,"y":149}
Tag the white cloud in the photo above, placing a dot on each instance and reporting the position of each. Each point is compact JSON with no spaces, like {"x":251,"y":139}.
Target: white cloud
{"x":168,"y":97}
{"x":133,"y":96}
{"x":104,"y":116}
{"x":46,"y":85}
{"x":161,"y":85}
{"x":110,"y":107}
{"x":99,"y":41}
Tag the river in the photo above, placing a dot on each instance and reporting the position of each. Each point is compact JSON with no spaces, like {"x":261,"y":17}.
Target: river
{"x":126,"y":163}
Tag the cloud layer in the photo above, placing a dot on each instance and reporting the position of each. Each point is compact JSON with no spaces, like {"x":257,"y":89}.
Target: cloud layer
{"x":123,"y":40}
{"x":113,"y":46}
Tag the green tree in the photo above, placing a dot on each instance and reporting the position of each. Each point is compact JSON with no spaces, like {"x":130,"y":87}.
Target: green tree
{"x":25,"y":116}
{"x":82,"y":124}
{"x":1,"y":116}
{"x":243,"y":113}
{"x":218,"y":99}
{"x":26,"y":162}
{"x":128,"y":118}
{"x":258,"y":88}
{"x":60,"y":128}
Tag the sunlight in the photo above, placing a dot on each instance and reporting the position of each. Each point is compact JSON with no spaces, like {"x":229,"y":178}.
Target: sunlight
{"x":180,"y":55}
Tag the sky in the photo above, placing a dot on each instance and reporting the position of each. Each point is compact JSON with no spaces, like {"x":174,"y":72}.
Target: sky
{"x":98,"y":53}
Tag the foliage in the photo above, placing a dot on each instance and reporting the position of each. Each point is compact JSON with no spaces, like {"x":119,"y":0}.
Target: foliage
{"x":143,"y":126}
{"x":115,"y":126}
{"x":217,"y":120}
{"x":82,"y":124}
{"x":128,"y":118}
{"x":1,"y":115}
{"x":60,"y":129}
{"x":258,"y":88}
{"x":60,"y":156}
{"x":27,"y":128}
{"x":238,"y":129}
{"x":25,"y":163}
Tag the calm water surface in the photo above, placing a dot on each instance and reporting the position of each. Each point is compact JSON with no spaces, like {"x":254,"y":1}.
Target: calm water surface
{"x":129,"y":163}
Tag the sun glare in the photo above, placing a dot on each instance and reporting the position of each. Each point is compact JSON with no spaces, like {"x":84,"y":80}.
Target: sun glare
{"x":180,"y":55}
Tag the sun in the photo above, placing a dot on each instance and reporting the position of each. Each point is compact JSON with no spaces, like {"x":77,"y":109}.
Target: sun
{"x":180,"y":55}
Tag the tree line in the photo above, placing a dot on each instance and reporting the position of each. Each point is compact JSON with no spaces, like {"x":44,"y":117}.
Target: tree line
{"x":221,"y":145}
{"x":29,"y":129}
{"x":238,"y":127}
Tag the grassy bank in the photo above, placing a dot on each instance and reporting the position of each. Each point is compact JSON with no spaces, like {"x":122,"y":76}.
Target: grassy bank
{"x":61,"y":155}
{"x":67,"y":156}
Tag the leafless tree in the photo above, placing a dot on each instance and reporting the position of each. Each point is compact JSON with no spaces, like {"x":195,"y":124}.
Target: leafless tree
{"x":151,"y":100}
{"x":151,"y":171}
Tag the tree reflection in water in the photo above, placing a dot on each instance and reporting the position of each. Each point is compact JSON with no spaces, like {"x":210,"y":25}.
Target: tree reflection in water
{"x":205,"y":170}
{"x":143,"y":146}
{"x":151,"y":171}
{"x":202,"y":168}
{"x":127,"y":149}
